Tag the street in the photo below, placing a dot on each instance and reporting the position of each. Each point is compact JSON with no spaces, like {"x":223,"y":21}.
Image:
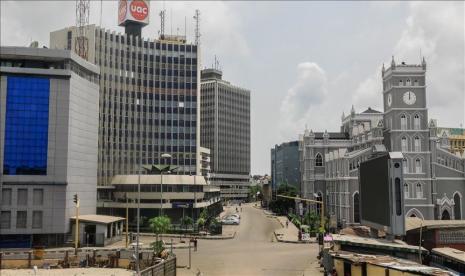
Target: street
{"x":254,"y":251}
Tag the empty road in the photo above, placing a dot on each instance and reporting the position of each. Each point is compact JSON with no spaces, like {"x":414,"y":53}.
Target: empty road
{"x":254,"y":251}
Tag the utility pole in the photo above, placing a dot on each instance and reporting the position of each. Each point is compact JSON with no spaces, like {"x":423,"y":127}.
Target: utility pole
{"x":322,"y":216}
{"x":138,"y":189}
{"x":76,"y":234}
{"x":127,"y":219}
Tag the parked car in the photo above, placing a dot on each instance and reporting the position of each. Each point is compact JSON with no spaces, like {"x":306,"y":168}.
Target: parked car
{"x":230,"y":221}
{"x":237,"y":216}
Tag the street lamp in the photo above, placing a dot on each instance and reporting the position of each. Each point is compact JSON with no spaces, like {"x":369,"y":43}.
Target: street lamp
{"x":138,"y":188}
{"x":166,"y":156}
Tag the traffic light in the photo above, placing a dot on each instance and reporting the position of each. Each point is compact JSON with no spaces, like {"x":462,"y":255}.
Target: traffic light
{"x":75,"y":198}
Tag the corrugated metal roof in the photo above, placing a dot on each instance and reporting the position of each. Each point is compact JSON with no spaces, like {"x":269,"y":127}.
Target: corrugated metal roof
{"x":452,"y":253}
{"x":391,"y":263}
{"x":415,"y":223}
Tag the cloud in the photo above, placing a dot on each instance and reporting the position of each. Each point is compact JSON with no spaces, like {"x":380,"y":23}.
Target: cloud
{"x":437,"y":31}
{"x":308,"y":92}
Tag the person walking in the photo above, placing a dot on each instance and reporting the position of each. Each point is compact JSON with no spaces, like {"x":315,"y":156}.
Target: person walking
{"x":287,"y":223}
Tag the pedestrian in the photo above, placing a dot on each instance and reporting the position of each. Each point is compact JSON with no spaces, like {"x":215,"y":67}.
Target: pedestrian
{"x":195,"y":244}
{"x":241,"y":209}
{"x":237,"y":210}
{"x":287,"y":223}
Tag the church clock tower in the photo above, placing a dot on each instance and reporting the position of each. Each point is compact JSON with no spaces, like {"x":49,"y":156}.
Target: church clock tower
{"x":406,"y":122}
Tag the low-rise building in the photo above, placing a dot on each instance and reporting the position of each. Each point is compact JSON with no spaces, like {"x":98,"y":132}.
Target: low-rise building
{"x":435,"y":233}
{"x":172,"y":195}
{"x":346,"y":263}
{"x":448,"y":258}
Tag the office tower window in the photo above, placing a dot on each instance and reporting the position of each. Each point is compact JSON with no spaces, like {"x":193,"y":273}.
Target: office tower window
{"x":38,"y":197}
{"x":21,"y":219}
{"x":37,"y":219}
{"x":5,"y":220}
{"x":26,"y":126}
{"x":22,"y":197}
{"x":6,"y":196}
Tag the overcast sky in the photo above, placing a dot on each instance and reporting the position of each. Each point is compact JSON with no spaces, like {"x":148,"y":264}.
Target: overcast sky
{"x":304,"y":62}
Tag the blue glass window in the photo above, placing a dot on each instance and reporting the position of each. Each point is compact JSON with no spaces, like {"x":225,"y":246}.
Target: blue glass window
{"x":26,"y":126}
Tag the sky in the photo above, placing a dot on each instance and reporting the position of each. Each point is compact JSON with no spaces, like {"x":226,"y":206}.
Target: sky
{"x":305,"y":63}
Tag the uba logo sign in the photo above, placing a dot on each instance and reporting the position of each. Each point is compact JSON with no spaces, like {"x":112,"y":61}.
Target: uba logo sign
{"x":139,"y":9}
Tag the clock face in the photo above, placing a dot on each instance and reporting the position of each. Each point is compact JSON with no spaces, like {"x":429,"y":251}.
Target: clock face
{"x":389,"y":99}
{"x":409,"y":97}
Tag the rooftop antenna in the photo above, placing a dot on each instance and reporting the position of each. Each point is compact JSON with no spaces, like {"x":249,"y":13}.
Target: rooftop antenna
{"x":101,"y":11}
{"x":171,"y":20}
{"x":197,"y":27}
{"x":162,"y":23}
{"x":185,"y":27}
{"x":82,"y":20}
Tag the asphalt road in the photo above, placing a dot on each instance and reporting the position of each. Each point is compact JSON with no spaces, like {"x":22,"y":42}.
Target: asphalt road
{"x":254,"y":251}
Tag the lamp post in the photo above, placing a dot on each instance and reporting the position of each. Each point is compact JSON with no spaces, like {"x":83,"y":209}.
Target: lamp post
{"x":166,"y":156}
{"x":138,"y":187}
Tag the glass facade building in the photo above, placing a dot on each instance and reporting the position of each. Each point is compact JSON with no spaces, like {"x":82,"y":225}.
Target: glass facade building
{"x":26,"y":126}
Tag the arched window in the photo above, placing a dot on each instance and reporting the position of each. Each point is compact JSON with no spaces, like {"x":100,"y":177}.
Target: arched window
{"x":403,"y":122}
{"x":408,"y":82}
{"x":403,"y":144}
{"x":415,"y":83}
{"x":417,"y":144}
{"x":416,"y":121}
{"x":405,"y":165}
{"x":406,"y":192}
{"x":356,"y":208}
{"x":401,"y":83}
{"x":418,"y":165}
{"x":457,"y":206}
{"x":445,"y":215}
{"x":419,"y":190}
{"x":318,"y":160}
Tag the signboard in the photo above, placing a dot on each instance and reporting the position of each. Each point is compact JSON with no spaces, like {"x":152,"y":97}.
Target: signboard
{"x":181,"y":205}
{"x":133,"y":11}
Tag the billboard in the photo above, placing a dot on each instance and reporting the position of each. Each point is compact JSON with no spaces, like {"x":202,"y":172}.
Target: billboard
{"x":133,"y":11}
{"x":381,"y":193}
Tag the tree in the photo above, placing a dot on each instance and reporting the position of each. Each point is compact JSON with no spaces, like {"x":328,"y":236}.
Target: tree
{"x":186,"y":221}
{"x":201,"y":222}
{"x":159,"y":225}
{"x":282,"y":205}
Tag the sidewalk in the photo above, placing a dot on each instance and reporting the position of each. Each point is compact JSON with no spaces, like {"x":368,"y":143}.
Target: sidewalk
{"x":289,"y":234}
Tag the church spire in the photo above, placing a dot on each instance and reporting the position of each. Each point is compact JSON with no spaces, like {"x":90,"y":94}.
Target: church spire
{"x":423,"y":63}
{"x":393,"y":63}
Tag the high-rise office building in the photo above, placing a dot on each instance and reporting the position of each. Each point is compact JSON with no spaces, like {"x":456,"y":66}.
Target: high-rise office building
{"x":148,"y":100}
{"x":225,"y":130}
{"x":285,"y":166}
{"x":48,"y":143}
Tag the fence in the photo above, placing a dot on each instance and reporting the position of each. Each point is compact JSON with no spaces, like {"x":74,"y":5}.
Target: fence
{"x":66,"y":258}
{"x":165,"y":268}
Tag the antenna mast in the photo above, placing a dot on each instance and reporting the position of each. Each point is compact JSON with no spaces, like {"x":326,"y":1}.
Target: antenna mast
{"x":82,"y":21}
{"x":197,"y":27}
{"x":162,"y":24}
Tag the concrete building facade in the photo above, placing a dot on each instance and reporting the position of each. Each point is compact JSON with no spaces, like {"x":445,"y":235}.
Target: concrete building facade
{"x":225,"y":130}
{"x":434,"y":176}
{"x":48,"y":138}
{"x":285,"y":166}
{"x":148,"y":100}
